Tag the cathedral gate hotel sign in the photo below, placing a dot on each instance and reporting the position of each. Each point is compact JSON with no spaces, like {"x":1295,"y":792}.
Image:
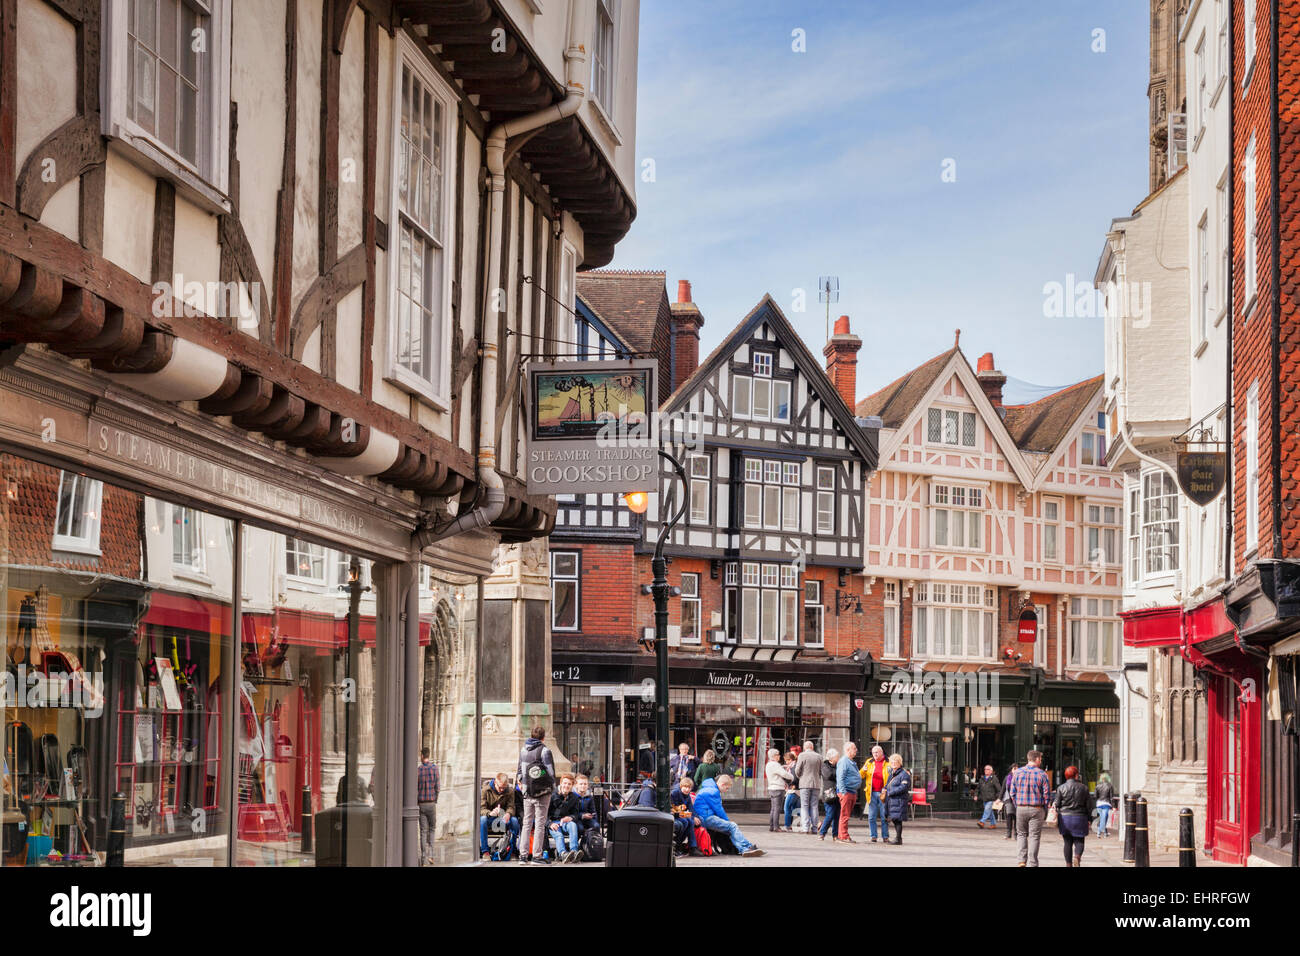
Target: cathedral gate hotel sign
{"x":590,"y":427}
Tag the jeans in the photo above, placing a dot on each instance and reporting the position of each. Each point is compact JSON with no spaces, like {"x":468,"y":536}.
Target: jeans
{"x":428,"y":822}
{"x":847,"y":800}
{"x":791,"y":801}
{"x":1073,"y":848}
{"x":532,"y":839}
{"x":808,"y":809}
{"x":720,"y":825}
{"x":484,"y":822}
{"x":1103,"y":818}
{"x":684,"y":832}
{"x":774,"y":814}
{"x":876,"y":809}
{"x":831,"y":817}
{"x":560,"y":830}
{"x":1029,"y":832}
{"x":990,"y":818}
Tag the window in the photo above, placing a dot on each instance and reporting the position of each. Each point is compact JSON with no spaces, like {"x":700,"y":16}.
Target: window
{"x":813,"y":614}
{"x":729,"y":573}
{"x":167,"y":82}
{"x":76,"y":521}
{"x":769,"y":604}
{"x":1252,"y":467}
{"x":1203,"y":278}
{"x":1100,"y":528}
{"x":304,"y":560}
{"x":762,"y":408}
{"x":187,"y":540}
{"x":825,"y":500}
{"x":1248,"y":22}
{"x":950,"y":621}
{"x":564,"y":590}
{"x":1225,"y":249}
{"x":343,"y":570}
{"x":740,"y":394}
{"x":956,"y":516}
{"x":1094,"y":633}
{"x":891,"y":620}
{"x":1159,"y":523}
{"x":771,"y":494}
{"x":1202,"y":89}
{"x":947,"y":426}
{"x":1221,"y":18}
{"x":1251,"y":214}
{"x":1051,"y":529}
{"x":602,"y":80}
{"x":760,"y":399}
{"x":1134,"y":534}
{"x":690,"y":608}
{"x":763,"y":364}
{"x":700,"y":469}
{"x":420,"y":341}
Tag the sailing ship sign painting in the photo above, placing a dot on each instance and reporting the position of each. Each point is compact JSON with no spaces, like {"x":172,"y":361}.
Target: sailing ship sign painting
{"x":590,"y":426}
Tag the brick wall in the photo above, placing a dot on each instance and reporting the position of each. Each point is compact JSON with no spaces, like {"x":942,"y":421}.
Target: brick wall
{"x":1288,"y":70}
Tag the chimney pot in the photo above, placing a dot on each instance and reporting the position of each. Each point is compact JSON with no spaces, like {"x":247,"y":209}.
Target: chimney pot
{"x":991,"y":380}
{"x":985,"y":363}
{"x":683,"y":290}
{"x":842,"y":361}
{"x":842,"y":325}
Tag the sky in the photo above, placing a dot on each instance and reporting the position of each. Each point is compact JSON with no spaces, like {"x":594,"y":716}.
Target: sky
{"x":773,"y":167}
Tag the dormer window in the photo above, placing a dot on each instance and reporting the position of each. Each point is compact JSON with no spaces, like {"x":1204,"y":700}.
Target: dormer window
{"x":949,"y":426}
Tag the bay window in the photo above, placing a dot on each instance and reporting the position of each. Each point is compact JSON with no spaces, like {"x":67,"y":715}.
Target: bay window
{"x":953,"y":621}
{"x":1159,"y":523}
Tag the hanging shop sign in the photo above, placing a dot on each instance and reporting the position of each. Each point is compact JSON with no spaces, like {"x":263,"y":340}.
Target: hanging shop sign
{"x":590,"y":427}
{"x":1201,"y":474}
{"x":1027,"y":628}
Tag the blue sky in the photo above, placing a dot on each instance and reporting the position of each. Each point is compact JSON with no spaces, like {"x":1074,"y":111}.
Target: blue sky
{"x":774,"y":167}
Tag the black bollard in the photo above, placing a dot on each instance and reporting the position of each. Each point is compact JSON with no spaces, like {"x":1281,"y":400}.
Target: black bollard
{"x":1130,"y":804}
{"x":306,"y":819}
{"x":117,"y":831}
{"x":1141,"y":846}
{"x":1186,"y":842}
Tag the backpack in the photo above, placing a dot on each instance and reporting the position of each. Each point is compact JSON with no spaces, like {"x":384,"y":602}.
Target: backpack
{"x":538,"y":781}
{"x":703,"y":842}
{"x":592,"y":845}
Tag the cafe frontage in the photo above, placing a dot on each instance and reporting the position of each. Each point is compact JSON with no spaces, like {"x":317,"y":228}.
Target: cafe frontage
{"x":605,"y":712}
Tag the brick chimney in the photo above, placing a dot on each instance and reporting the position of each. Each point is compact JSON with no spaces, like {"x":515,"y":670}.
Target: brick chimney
{"x":686,"y":322}
{"x":842,"y":361}
{"x":990,"y":379}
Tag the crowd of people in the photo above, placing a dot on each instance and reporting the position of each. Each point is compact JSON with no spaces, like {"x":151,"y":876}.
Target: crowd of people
{"x":544,"y":817}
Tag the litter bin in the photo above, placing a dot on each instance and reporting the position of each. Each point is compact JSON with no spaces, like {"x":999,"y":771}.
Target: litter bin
{"x":639,"y":836}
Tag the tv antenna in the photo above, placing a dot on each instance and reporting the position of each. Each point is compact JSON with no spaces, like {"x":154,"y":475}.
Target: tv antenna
{"x":828,"y":291}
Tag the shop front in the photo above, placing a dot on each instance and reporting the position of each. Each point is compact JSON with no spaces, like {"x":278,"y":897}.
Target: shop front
{"x":205,"y":644}
{"x":605,"y":713}
{"x":1078,"y":725}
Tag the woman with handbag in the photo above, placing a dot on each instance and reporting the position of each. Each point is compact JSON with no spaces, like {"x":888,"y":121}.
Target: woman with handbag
{"x":830,"y":800}
{"x":898,"y":796}
{"x":1105,"y":800}
{"x":1071,"y":808}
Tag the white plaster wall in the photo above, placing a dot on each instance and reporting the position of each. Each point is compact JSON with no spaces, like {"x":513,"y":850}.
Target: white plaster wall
{"x":306,"y":260}
{"x":128,"y":216}
{"x":47,"y":68}
{"x":62,"y":212}
{"x":257,"y":85}
{"x":352,"y":80}
{"x":347,"y":354}
{"x":197,"y":255}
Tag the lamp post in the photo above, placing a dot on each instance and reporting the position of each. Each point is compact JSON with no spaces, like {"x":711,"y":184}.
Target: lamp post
{"x":637,"y":501}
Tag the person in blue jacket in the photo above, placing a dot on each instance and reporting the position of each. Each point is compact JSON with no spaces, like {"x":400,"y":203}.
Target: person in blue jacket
{"x":898,"y":795}
{"x":708,"y":807}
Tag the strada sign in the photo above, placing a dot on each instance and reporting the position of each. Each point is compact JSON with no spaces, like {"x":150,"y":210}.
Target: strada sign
{"x":590,"y":427}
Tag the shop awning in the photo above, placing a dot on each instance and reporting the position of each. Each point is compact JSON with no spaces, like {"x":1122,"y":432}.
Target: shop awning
{"x":1153,"y":627}
{"x":317,"y":629}
{"x":1071,"y":694}
{"x":188,"y":613}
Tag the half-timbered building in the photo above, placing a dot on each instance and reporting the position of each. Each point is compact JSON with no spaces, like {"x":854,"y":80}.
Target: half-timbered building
{"x":275,"y":266}
{"x":768,"y":629}
{"x":978,"y":512}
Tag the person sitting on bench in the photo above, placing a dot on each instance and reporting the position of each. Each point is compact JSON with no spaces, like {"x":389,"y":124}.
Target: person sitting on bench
{"x":708,"y":807}
{"x":498,"y":800}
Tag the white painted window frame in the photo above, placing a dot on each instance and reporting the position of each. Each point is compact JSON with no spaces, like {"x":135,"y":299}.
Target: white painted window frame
{"x":91,"y":502}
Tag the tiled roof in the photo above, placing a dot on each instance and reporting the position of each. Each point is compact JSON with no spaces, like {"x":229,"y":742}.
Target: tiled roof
{"x":634,"y":304}
{"x":1040,"y":426}
{"x":895,"y":401}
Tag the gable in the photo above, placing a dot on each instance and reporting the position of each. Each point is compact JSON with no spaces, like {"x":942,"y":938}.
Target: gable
{"x":1066,"y":468}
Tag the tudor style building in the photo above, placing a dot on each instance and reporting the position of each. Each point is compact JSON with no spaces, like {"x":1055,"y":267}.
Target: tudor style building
{"x":268,"y":273}
{"x":976,"y":512}
{"x":770,"y":628}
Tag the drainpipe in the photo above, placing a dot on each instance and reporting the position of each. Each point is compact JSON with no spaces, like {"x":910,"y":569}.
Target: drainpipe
{"x":410,"y":618}
{"x":496,"y":158}
{"x":1230,"y":444}
{"x":1276,"y":318}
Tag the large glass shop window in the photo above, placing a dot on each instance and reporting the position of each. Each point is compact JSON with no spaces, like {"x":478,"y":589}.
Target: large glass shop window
{"x":116,"y":613}
{"x":448,"y":633}
{"x":305,"y":706}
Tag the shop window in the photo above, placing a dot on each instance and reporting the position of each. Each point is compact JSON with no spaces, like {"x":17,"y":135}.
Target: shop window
{"x":1094,"y":633}
{"x":76,"y":522}
{"x":565,"y":590}
{"x":690,"y":627}
{"x":419,"y":353}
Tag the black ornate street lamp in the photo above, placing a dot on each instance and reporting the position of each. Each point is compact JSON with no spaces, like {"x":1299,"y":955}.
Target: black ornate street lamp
{"x":638,"y":501}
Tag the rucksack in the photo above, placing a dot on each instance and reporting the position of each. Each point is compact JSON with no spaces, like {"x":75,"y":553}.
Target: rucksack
{"x":593,"y":846}
{"x":703,"y":842}
{"x":538,"y":781}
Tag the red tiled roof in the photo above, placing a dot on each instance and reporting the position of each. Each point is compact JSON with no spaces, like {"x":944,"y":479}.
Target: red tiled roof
{"x":895,"y":401}
{"x":1040,"y":426}
{"x":634,"y":304}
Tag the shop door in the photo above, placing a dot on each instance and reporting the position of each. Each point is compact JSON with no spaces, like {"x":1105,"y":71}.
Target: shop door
{"x":1226,"y":774}
{"x":943,"y":772}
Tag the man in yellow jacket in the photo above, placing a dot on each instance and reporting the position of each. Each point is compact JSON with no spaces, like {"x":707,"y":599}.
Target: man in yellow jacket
{"x":875,"y":774}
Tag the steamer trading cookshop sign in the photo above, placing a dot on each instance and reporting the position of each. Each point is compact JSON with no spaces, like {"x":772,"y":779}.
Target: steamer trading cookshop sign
{"x":590,"y":427}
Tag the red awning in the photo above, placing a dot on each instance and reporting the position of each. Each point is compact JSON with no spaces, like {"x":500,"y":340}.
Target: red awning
{"x":1153,"y":627}
{"x":1207,"y":621}
{"x":187,"y":613}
